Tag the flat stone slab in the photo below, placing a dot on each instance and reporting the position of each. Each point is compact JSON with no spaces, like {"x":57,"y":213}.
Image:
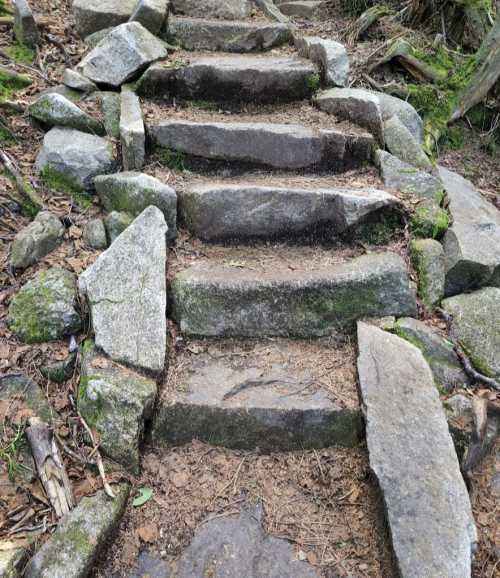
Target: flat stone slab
{"x":331,"y":56}
{"x":212,"y":300}
{"x":223,"y":9}
{"x":281,"y":146}
{"x":471,"y":244}
{"x":414,"y":460}
{"x":126,"y":293}
{"x":227,"y":35}
{"x":132,"y":131}
{"x":245,"y":211}
{"x":245,"y":78}
{"x":94,"y":15}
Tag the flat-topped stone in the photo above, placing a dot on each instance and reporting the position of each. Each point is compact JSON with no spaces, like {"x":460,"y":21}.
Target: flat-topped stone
{"x":224,"y":9}
{"x":331,"y":56}
{"x":212,"y":300}
{"x":226,"y":35}
{"x":246,"y":211}
{"x":414,"y":460}
{"x":94,"y":15}
{"x":126,"y":292}
{"x":152,"y":14}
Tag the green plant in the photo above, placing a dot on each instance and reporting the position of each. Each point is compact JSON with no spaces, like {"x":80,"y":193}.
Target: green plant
{"x":10,"y":452}
{"x":171,"y":158}
{"x":313,"y":82}
{"x":21,"y":53}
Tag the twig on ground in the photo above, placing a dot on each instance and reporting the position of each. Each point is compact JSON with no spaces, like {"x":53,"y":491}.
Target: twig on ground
{"x":25,"y":191}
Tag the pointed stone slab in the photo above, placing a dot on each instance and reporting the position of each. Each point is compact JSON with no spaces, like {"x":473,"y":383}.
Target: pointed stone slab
{"x":413,"y":457}
{"x":126,"y":292}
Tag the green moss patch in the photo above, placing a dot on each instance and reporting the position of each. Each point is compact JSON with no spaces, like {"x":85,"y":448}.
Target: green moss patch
{"x":21,"y":53}
{"x":60,"y":182}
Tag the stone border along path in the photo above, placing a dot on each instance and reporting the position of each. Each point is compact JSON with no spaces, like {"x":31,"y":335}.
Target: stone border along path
{"x":250,"y":405}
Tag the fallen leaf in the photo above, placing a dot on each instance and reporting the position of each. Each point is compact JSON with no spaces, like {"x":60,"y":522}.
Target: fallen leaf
{"x":145,"y":494}
{"x":147,"y":533}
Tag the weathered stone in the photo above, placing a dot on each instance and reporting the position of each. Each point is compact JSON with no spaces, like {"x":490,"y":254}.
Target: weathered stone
{"x":427,"y":503}
{"x":401,"y":143}
{"x":133,"y":192}
{"x":428,"y":259}
{"x":132,"y":132}
{"x":122,"y":55}
{"x":226,"y":35}
{"x":437,"y":351}
{"x":282,"y":146}
{"x":44,"y":308}
{"x":77,"y":81}
{"x":80,"y":537}
{"x":476,"y":323}
{"x":224,"y":9}
{"x":370,"y":109}
{"x":57,"y":110}
{"x":111,"y":109}
{"x":116,"y":402}
{"x":94,"y":234}
{"x":92,"y":40}
{"x":269,"y":8}
{"x":308,"y":9}
{"x":12,"y":559}
{"x":25,"y":28}
{"x":69,"y":93}
{"x":126,"y":292}
{"x":18,"y":386}
{"x":36,"y":240}
{"x":75,"y":157}
{"x":429,"y":220}
{"x":61,"y":371}
{"x":245,"y":211}
{"x":152,"y":14}
{"x":212,"y":300}
{"x":472,"y":243}
{"x":94,"y":15}
{"x":115,"y":223}
{"x":330,"y":55}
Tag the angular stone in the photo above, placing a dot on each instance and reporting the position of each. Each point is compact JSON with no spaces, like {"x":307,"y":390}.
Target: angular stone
{"x":94,"y":234}
{"x":77,"y":81}
{"x":56,"y":110}
{"x":212,"y":300}
{"x":111,"y":109}
{"x":133,"y":192}
{"x":301,"y":8}
{"x":93,"y":40}
{"x":126,"y":292}
{"x":370,"y":109}
{"x":69,"y":93}
{"x":18,"y":386}
{"x":437,"y":351}
{"x":25,"y":28}
{"x":152,"y":14}
{"x":132,"y":132}
{"x":12,"y":559}
{"x":281,"y":146}
{"x":269,"y":8}
{"x":330,"y":55}
{"x":116,"y":402}
{"x":223,"y":9}
{"x":471,"y":245}
{"x":115,"y":223}
{"x":94,"y":15}
{"x":77,"y":157}
{"x":122,"y":55}
{"x":245,"y":211}
{"x":36,"y":240}
{"x":401,"y":143}
{"x":226,"y":35}
{"x":476,"y":323}
{"x":44,"y":308}
{"x":80,"y":537}
{"x":428,"y":259}
{"x":427,"y":503}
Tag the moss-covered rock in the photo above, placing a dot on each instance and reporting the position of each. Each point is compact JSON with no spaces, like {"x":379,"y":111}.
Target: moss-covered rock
{"x":427,"y":256}
{"x":116,"y":222}
{"x":429,"y":220}
{"x":111,"y":107}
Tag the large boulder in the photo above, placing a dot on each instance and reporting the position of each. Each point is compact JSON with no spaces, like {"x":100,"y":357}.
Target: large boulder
{"x":224,"y":9}
{"x":331,"y":56}
{"x":94,"y":15}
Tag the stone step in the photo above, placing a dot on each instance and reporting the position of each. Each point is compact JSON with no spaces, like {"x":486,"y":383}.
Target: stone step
{"x":280,"y":146}
{"x":252,"y":299}
{"x":246,"y":78}
{"x":221,"y":9}
{"x":269,"y":395}
{"x":226,"y":35}
{"x":301,"y":8}
{"x":246,"y":211}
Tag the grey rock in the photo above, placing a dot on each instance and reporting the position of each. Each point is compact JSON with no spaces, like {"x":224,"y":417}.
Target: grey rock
{"x":245,"y":211}
{"x":476,"y":323}
{"x":80,"y":537}
{"x":25,"y":28}
{"x":122,"y":55}
{"x":401,"y":143}
{"x":126,"y":292}
{"x":223,"y":9}
{"x":269,"y":8}
{"x":213,"y":300}
{"x":61,"y":371}
{"x":94,"y":234}
{"x":77,"y":156}
{"x":308,"y":9}
{"x":427,"y":503}
{"x":133,"y":192}
{"x":21,"y":387}
{"x":111,"y":110}
{"x":44,"y":308}
{"x":152,"y":14}
{"x":115,"y":223}
{"x":370,"y":109}
{"x":428,"y":259}
{"x":117,"y":402}
{"x":281,"y":146}
{"x":92,"y":40}
{"x":36,"y":240}
{"x":132,"y":132}
{"x":77,"y":81}
{"x":94,"y":15}
{"x":150,"y":566}
{"x":472,"y":243}
{"x":437,"y":351}
{"x":56,"y":110}
{"x":330,"y":55}
{"x":69,"y":93}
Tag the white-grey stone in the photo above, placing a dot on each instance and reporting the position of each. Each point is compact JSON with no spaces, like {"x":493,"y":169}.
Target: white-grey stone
{"x":126,"y":292}
{"x":413,"y":457}
{"x":132,"y":132}
{"x":152,"y":14}
{"x":92,"y":40}
{"x":94,"y":234}
{"x":121,"y":55}
{"x":78,"y":156}
{"x":25,"y":28}
{"x":224,"y":9}
{"x":402,"y":143}
{"x":472,"y":243}
{"x":77,"y":81}
{"x":94,"y":15}
{"x":330,"y":55}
